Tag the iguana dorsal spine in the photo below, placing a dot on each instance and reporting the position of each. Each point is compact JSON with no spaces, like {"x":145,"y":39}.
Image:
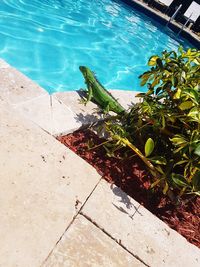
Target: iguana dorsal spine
{"x":98,"y":92}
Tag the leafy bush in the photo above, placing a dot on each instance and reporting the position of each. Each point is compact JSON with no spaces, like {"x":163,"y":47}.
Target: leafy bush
{"x":164,"y":128}
{"x":170,"y":114}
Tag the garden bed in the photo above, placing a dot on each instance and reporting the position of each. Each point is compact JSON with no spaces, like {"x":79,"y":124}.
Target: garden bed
{"x":132,"y":177}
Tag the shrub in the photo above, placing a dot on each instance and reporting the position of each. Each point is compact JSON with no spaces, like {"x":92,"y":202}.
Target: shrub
{"x":170,"y":115}
{"x":164,"y":128}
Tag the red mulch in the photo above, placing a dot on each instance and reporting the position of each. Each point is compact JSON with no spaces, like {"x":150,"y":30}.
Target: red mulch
{"x":132,"y":177}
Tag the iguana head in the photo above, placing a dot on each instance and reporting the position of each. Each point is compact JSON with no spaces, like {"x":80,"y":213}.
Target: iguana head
{"x":87,"y":73}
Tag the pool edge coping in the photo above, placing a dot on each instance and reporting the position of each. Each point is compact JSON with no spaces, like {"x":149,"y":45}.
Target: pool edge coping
{"x":163,"y":19}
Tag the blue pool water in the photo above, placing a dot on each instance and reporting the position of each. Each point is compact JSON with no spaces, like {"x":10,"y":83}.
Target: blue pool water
{"x":49,"y":39}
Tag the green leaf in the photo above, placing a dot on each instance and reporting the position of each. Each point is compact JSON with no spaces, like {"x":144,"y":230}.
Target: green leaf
{"x":197,"y":151}
{"x":165,"y":189}
{"x":183,"y":75}
{"x":159,"y":169}
{"x":158,"y":160}
{"x":192,"y":93}
{"x":179,"y":180}
{"x":158,"y":90}
{"x":150,"y":92}
{"x":153,"y":60}
{"x":174,"y":81}
{"x":186,"y":105}
{"x":177,"y":94}
{"x":196,"y":181}
{"x":196,"y":61}
{"x":178,"y":140}
{"x":155,"y":183}
{"x":180,"y":49}
{"x":159,"y":63}
{"x":194,"y":114}
{"x":149,"y":147}
{"x":144,"y":80}
{"x":156,"y":81}
{"x":197,"y":193}
{"x":140,"y":95}
{"x":163,"y":121}
{"x":181,"y":162}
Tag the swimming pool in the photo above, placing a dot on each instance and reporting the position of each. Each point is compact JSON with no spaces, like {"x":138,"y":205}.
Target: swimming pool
{"x":48,"y":40}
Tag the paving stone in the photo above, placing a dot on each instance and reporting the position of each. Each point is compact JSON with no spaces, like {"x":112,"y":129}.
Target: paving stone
{"x":88,"y":114}
{"x":16,"y":87}
{"x":160,"y":245}
{"x":143,"y":234}
{"x":126,"y":98}
{"x":85,"y":245}
{"x":50,"y":114}
{"x":114,"y":208}
{"x":3,"y":64}
{"x":84,"y":114}
{"x":72,"y":100}
{"x":43,"y":185}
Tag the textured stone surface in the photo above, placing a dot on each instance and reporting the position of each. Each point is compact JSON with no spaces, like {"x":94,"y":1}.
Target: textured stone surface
{"x":84,"y":114}
{"x":87,"y":114}
{"x":140,"y":232}
{"x":85,"y":245}
{"x":112,"y":209}
{"x":160,"y":245}
{"x":3,"y":64}
{"x":126,"y":98}
{"x":43,"y":185}
{"x":50,"y":114}
{"x":17,"y":88}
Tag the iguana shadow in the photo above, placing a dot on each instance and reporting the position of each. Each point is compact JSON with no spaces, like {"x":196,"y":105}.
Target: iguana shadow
{"x":91,"y":117}
{"x":125,"y":200}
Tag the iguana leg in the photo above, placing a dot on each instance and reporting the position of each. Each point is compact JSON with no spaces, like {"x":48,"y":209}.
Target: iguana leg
{"x":88,"y":97}
{"x":83,"y":98}
{"x":89,"y":93}
{"x":106,"y":108}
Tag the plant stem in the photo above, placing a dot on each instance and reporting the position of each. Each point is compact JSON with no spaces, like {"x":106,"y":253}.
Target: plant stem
{"x":139,"y":153}
{"x":94,"y":147}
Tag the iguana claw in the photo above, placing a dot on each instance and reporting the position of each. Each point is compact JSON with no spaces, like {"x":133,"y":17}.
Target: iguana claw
{"x":83,"y":101}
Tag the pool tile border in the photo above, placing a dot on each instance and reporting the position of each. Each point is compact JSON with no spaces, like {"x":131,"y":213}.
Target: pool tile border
{"x":163,"y":19}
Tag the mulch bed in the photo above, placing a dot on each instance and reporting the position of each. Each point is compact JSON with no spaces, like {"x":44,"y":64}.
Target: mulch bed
{"x":132,"y":177}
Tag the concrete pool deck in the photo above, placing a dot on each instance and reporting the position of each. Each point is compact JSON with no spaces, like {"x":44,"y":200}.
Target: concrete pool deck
{"x":56,"y":211}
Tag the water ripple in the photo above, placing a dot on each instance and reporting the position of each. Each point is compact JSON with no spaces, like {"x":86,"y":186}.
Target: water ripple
{"x":49,"y":39}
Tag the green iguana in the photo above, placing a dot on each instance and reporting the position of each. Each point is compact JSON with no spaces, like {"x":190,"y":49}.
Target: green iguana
{"x":99,"y":94}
